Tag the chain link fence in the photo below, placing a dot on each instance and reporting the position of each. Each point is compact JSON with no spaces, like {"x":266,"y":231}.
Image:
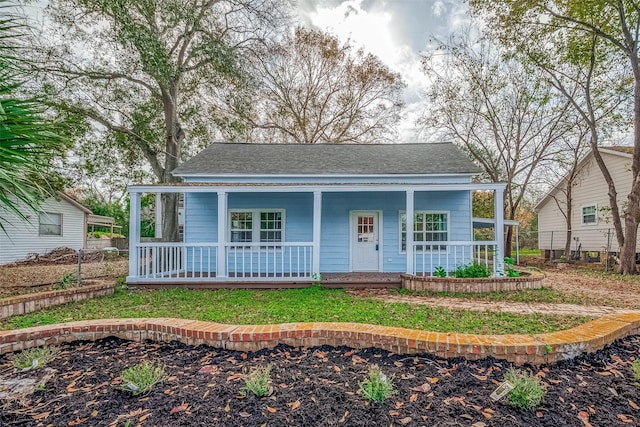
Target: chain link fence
{"x":593,"y":244}
{"x":62,"y":268}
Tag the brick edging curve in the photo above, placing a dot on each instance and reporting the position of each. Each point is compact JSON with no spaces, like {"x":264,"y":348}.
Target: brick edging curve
{"x":516,"y":348}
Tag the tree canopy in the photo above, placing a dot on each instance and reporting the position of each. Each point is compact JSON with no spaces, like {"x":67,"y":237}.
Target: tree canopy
{"x":582,"y":42}
{"x":498,"y":110}
{"x":147,"y":73}
{"x":312,"y":88}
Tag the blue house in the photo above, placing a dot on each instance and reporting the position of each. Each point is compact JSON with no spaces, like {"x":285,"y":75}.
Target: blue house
{"x":288,"y":213}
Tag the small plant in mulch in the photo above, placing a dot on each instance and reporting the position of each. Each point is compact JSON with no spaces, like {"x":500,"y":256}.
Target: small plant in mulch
{"x":141,"y":378}
{"x":527,"y":392}
{"x":67,"y":281}
{"x":258,"y":382}
{"x":377,"y":386}
{"x":635,"y":366}
{"x":34,"y":358}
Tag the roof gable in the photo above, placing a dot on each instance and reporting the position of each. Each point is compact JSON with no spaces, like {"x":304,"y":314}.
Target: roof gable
{"x":327,"y":159}
{"x":615,"y":150}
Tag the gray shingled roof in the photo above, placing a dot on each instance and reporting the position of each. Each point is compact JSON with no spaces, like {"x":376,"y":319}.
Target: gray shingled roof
{"x":327,"y":159}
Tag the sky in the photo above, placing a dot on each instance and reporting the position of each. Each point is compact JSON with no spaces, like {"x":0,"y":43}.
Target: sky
{"x":394,"y":30}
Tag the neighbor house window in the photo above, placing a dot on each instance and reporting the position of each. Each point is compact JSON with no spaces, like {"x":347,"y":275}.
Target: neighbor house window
{"x":50,"y":224}
{"x":589,"y":214}
{"x":427,"y":227}
{"x":256,"y":226}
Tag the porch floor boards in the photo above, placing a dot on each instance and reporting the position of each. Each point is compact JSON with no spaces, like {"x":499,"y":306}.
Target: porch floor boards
{"x":329,"y":280}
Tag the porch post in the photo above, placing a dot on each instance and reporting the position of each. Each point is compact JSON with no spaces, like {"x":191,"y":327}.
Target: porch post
{"x":134,"y":233}
{"x":498,"y":212}
{"x":221,"y":267}
{"x":317,"y":221}
{"x":158,"y":226}
{"x":409,"y":213}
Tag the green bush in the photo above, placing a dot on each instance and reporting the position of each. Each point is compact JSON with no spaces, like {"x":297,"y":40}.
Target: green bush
{"x":472,"y":270}
{"x":508,"y":266}
{"x":377,"y":386}
{"x":527,"y":391}
{"x":440,"y":272}
{"x":258,"y":381}
{"x":141,"y":378}
{"x":34,"y":358}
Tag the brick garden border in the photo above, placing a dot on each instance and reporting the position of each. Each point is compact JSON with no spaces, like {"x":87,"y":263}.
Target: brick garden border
{"x":27,"y":303}
{"x":539,"y":348}
{"x":533,"y":280}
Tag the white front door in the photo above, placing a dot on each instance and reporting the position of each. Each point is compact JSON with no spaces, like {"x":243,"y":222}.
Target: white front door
{"x":365,"y":242}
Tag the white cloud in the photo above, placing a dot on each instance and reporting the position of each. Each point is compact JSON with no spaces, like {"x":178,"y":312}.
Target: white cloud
{"x":395,"y":31}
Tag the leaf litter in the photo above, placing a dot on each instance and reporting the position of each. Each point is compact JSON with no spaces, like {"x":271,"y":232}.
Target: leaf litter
{"x":313,"y":386}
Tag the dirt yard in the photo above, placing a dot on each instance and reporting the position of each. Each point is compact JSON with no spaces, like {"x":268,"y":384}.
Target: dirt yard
{"x":589,"y":280}
{"x":39,"y":273}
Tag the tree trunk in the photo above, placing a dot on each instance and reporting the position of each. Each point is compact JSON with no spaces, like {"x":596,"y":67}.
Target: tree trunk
{"x":569,"y":212}
{"x":174,"y":135}
{"x":170,"y":232}
{"x":508,"y":238}
{"x":632,"y":212}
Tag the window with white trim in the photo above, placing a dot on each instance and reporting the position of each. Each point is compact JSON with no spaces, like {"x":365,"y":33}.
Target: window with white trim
{"x":428,"y":226}
{"x":590,"y":214}
{"x":256,"y":226}
{"x":50,"y":224}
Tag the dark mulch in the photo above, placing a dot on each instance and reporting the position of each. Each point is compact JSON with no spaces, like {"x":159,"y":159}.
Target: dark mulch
{"x":317,"y":387}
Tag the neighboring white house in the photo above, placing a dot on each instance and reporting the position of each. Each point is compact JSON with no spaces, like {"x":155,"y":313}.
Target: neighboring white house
{"x":63,"y":222}
{"x":591,"y":226}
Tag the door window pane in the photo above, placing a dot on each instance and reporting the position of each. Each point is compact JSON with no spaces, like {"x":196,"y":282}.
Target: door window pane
{"x":365,"y":229}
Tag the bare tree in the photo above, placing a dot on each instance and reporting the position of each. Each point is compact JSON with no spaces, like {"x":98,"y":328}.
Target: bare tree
{"x":147,"y":73}
{"x":314,"y":89}
{"x":565,"y":170}
{"x":506,"y":117}
{"x":597,"y":37}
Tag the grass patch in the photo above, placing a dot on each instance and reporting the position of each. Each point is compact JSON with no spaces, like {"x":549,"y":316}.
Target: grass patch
{"x":34,"y":358}
{"x":377,"y":386}
{"x":527,"y":391}
{"x":290,"y":305}
{"x":141,"y":378}
{"x":528,"y":252}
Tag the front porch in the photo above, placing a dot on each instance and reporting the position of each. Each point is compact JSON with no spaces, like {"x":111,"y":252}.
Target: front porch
{"x":267,"y":235}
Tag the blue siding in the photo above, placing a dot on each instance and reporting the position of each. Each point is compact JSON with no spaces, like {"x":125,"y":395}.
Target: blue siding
{"x":298,"y":210}
{"x":201,"y":219}
{"x":334,"y":246}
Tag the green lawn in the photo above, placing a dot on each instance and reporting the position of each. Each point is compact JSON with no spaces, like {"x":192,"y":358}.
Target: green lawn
{"x":527,"y":252}
{"x":291,"y":305}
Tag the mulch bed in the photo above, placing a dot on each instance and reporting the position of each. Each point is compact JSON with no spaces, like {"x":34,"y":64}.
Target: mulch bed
{"x":316,"y":387}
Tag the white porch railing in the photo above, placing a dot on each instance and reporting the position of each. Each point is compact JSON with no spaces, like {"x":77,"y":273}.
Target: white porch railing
{"x":272,"y":260}
{"x":176,"y":260}
{"x":244,"y":261}
{"x":429,"y":256}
